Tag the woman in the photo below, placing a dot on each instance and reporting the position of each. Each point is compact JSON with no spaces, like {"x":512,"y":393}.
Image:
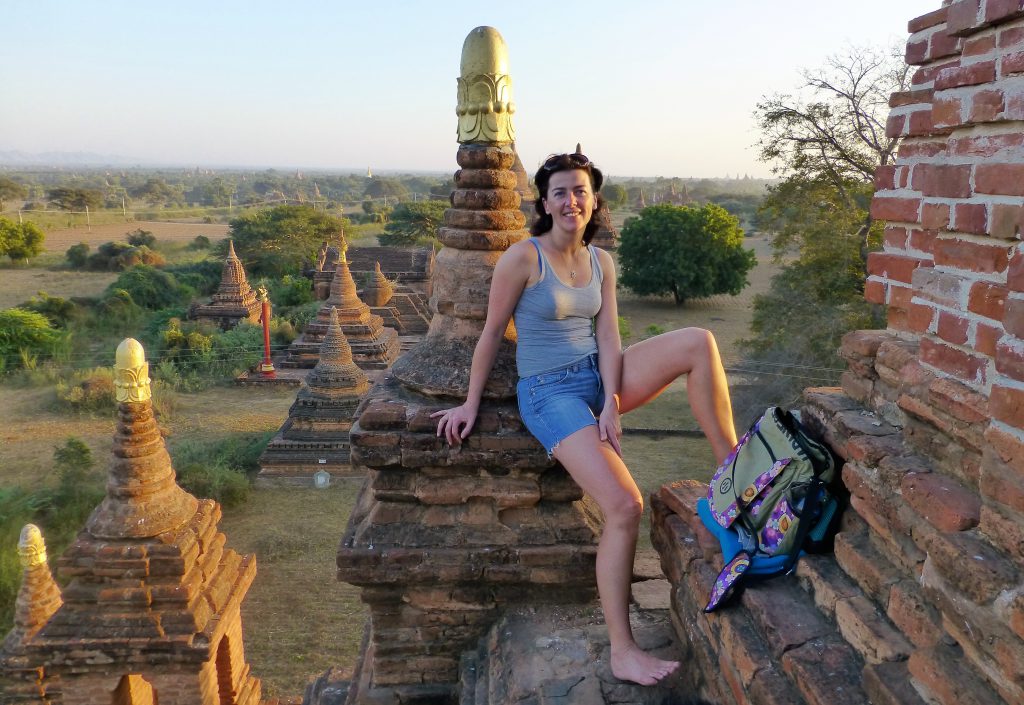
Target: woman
{"x":575,"y":380}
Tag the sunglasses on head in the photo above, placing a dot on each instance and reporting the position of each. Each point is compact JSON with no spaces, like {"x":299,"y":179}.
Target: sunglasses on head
{"x":575,"y":159}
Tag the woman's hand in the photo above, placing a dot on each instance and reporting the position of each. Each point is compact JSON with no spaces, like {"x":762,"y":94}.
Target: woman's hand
{"x":455,"y":424}
{"x":609,"y":425}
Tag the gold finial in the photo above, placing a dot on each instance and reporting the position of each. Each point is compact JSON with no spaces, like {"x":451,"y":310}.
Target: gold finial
{"x":261,"y":293}
{"x":485,"y":104}
{"x":343,"y":251}
{"x":231,"y":250}
{"x":31,"y":547}
{"x":131,"y":372}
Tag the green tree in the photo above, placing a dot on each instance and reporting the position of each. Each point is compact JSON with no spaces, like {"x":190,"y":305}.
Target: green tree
{"x":75,"y":199}
{"x":10,"y":189}
{"x":826,"y":145}
{"x":683,"y":251}
{"x":24,"y":333}
{"x":20,"y":241}
{"x":276,"y":241}
{"x":391,"y":188}
{"x":615,"y":195}
{"x":410,"y":223}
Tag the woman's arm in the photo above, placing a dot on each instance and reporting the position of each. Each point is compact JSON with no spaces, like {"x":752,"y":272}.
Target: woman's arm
{"x":511,"y":274}
{"x":609,"y":354}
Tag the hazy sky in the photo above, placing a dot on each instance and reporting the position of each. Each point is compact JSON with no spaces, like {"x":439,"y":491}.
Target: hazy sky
{"x":649,"y":87}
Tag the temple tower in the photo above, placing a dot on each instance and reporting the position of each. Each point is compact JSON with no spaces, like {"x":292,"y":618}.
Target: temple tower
{"x":443,"y":539}
{"x":527,"y":194}
{"x":315,"y":436}
{"x":234,"y":302}
{"x":24,"y":679}
{"x":326,"y":266}
{"x":374,"y":347}
{"x":398,"y":306}
{"x":606,"y":237}
{"x":151,"y":612}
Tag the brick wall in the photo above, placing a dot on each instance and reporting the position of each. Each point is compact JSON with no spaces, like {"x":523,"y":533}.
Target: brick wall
{"x":923,"y":598}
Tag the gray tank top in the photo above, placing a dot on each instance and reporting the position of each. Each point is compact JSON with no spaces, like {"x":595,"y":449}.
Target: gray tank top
{"x":555,"y":321}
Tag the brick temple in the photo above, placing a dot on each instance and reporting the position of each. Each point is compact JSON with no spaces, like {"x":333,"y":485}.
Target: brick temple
{"x":923,"y":599}
{"x":234,"y":302}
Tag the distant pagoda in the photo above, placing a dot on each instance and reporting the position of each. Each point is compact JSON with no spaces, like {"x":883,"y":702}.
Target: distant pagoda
{"x":316,"y":434}
{"x":234,"y":302}
{"x":401,"y":310}
{"x":373,"y":346}
{"x":152,"y":610}
{"x":526,"y":193}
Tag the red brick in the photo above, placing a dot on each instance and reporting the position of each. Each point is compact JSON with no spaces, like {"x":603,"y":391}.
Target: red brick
{"x":952,"y":328}
{"x":889,"y":684}
{"x":899,"y":295}
{"x":931,"y":19}
{"x":885,"y":177}
{"x":910,"y":611}
{"x":1016,"y":610}
{"x":987,"y":299}
{"x":921,"y":148}
{"x":972,"y":75}
{"x":903,"y":176}
{"x":927,"y":74}
{"x":896,"y":319}
{"x":962,"y":15}
{"x":911,"y":97}
{"x":943,"y":673}
{"x":985,"y":145}
{"x":959,"y":401}
{"x":946,"y":112}
{"x":1009,"y":448}
{"x":944,"y":503}
{"x":963,"y":365}
{"x":1010,"y":361}
{"x":1012,"y":37}
{"x":826,"y":672}
{"x":1014,"y":105}
{"x":895,"y":237}
{"x":943,"y":180}
{"x":1013,"y":321}
{"x":897,"y":209}
{"x":916,"y":53}
{"x":986,"y":105}
{"x":935,"y":215}
{"x":986,"y":338}
{"x":970,"y":218}
{"x":895,"y":126}
{"x":1012,"y":63}
{"x":971,"y":256}
{"x":874,"y":291}
{"x":1005,"y":529}
{"x":943,"y":44}
{"x":1001,"y":179}
{"x":1002,"y":10}
{"x":999,"y":484}
{"x":970,"y":564}
{"x":893,"y":266}
{"x":924,"y":240}
{"x":976,"y":46}
{"x":920,"y":123}
{"x":1007,"y":405}
{"x":1006,"y":220}
{"x":944,"y":288}
{"x":1015,"y":271}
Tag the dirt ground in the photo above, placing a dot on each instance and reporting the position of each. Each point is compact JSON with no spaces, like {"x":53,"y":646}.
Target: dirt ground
{"x":298,"y":619}
{"x":61,"y":240}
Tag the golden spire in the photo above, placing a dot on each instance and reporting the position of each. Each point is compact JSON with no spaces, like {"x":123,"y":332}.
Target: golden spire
{"x":131,"y":372}
{"x":31,"y":547}
{"x":485,"y":104}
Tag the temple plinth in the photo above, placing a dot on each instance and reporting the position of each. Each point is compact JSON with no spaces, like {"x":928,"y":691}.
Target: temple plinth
{"x":152,"y":606}
{"x":398,"y":306}
{"x":374,"y":347}
{"x":315,"y":436}
{"x":234,"y":302}
{"x":443,"y":540}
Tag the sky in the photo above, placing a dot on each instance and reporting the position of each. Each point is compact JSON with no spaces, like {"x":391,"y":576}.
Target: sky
{"x":648,"y":87}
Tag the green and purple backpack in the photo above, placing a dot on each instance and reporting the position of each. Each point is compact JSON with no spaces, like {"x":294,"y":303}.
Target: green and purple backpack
{"x":768,"y":502}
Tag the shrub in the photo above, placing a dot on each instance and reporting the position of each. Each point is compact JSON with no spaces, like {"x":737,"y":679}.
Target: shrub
{"x":65,"y":507}
{"x":624,"y":330}
{"x":290,"y":290}
{"x":653,"y":330}
{"x":151,"y":288}
{"x":199,"y":242}
{"x":194,"y":356}
{"x":25,"y":335}
{"x":202,"y":276}
{"x":142,"y":238}
{"x":78,"y":255}
{"x":58,"y":310}
{"x":118,"y":256}
{"x":218,"y":469}
{"x":88,"y":391}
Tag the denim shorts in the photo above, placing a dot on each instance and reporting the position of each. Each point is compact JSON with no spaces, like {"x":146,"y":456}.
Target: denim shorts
{"x":554,"y":405}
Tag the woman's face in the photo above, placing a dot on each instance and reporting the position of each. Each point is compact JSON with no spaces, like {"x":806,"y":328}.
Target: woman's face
{"x":570,"y":200}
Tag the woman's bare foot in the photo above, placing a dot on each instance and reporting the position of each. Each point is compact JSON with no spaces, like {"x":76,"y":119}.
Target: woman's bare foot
{"x":637,"y":666}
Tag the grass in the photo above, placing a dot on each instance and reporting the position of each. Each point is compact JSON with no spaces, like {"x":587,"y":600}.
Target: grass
{"x":298,"y":619}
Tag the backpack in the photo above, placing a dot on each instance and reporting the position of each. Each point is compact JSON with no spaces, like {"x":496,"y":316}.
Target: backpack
{"x":768,"y":502}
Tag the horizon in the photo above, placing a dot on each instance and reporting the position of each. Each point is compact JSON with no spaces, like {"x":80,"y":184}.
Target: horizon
{"x":339,"y":89}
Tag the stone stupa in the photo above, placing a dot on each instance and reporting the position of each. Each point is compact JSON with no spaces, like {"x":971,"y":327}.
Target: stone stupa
{"x":315,"y":437}
{"x":607,"y":236}
{"x":398,"y":306}
{"x":151,"y":612}
{"x":443,"y":540}
{"x":374,"y":347}
{"x":234,"y":302}
{"x":23,"y":678}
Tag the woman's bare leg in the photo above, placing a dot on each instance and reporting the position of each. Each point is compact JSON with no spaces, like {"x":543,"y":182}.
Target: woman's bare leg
{"x":598,"y":469}
{"x":651,"y":365}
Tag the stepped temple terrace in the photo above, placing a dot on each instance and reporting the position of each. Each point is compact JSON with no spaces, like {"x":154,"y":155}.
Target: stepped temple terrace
{"x":475,"y":564}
